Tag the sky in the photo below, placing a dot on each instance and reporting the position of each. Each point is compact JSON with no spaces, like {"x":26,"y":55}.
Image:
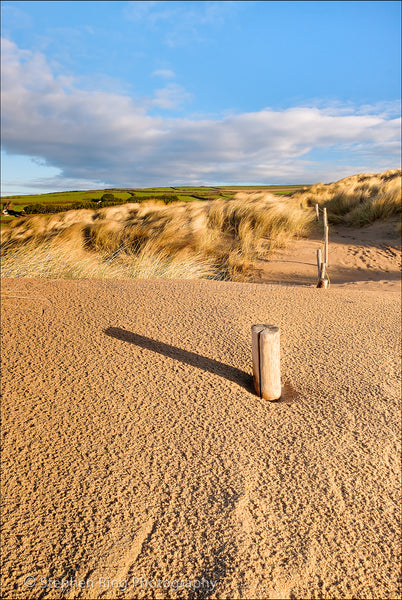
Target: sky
{"x":141,"y":94}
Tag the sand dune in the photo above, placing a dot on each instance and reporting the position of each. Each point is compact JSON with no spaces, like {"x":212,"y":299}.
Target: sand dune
{"x":134,"y":449}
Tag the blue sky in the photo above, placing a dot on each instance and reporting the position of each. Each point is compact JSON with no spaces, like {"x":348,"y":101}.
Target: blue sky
{"x":107,"y":94}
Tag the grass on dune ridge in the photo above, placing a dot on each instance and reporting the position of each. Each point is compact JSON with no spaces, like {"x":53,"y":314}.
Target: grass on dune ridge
{"x":359,"y":199}
{"x":218,"y":239}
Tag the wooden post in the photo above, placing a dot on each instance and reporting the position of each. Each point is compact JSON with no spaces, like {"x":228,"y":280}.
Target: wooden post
{"x":319,"y":262}
{"x":322,"y":281}
{"x":266,"y":361}
{"x":270,"y":361}
{"x":317,"y":212}
{"x":323,"y":264}
{"x":326,"y":245}
{"x":325,"y":217}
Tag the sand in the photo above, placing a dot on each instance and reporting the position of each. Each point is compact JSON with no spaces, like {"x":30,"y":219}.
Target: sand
{"x":135,"y":453}
{"x":356,"y":255}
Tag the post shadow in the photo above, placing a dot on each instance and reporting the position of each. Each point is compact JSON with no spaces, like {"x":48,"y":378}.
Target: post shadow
{"x":190,"y":358}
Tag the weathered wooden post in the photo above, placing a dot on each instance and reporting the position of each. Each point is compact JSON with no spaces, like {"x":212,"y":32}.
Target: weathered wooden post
{"x":322,"y":280}
{"x":265,"y":342}
{"x":317,"y":213}
{"x":325,"y":237}
{"x":322,"y":264}
{"x":319,"y":261}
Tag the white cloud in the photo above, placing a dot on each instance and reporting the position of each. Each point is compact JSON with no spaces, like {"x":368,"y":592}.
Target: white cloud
{"x":165,"y":73}
{"x":170,"y":97}
{"x":181,"y":23}
{"x":208,"y":12}
{"x":109,"y":137}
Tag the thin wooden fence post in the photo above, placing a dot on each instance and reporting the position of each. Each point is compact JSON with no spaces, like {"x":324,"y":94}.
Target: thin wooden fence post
{"x":317,"y":212}
{"x":266,"y":361}
{"x":325,"y":217}
{"x":319,"y":261}
{"x":323,"y":264}
{"x":322,"y":281}
{"x":326,"y":245}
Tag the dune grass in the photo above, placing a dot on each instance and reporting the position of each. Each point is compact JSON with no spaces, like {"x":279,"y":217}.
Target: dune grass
{"x":58,"y":261}
{"x":204,"y":239}
{"x":220,"y":238}
{"x":358,"y":200}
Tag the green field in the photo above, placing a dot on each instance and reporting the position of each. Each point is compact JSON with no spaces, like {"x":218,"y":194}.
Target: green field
{"x":184,"y":194}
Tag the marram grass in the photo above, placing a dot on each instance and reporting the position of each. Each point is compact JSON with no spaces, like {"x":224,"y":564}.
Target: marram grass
{"x":202,"y":239}
{"x":358,"y":200}
{"x":218,"y":239}
{"x":50,"y":261}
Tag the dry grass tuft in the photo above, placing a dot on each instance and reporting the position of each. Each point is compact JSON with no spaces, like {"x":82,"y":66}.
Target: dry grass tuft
{"x":59,"y":261}
{"x":358,"y":200}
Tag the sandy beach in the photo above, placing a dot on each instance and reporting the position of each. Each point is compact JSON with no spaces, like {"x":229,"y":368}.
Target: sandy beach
{"x":138,"y":461}
{"x":200,"y":300}
{"x":190,"y":192}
